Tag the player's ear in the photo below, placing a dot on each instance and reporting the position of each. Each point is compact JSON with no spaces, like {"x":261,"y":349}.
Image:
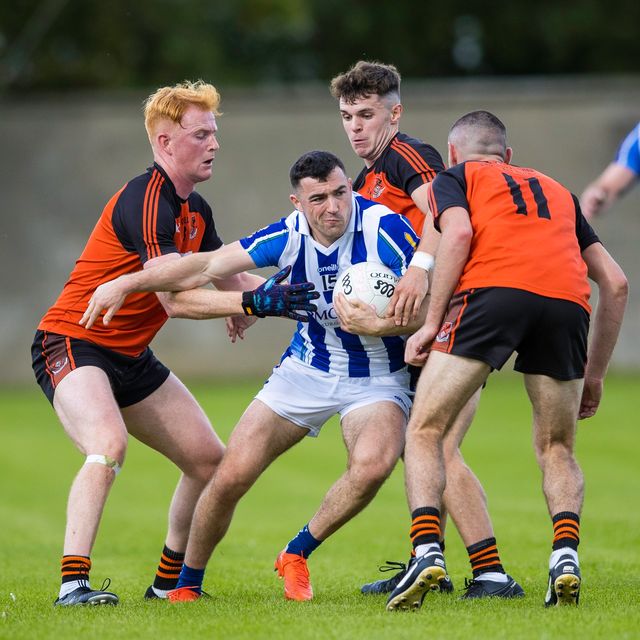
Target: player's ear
{"x":296,"y":203}
{"x":508,"y":154}
{"x":453,"y":154}
{"x":396,"y":113}
{"x":163,"y":142}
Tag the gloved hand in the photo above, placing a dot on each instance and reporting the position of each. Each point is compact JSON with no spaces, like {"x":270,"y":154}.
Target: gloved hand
{"x":274,"y":299}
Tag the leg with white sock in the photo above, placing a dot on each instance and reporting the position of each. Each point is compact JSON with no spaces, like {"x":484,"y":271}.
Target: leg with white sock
{"x":90,"y":416}
{"x":555,"y":411}
{"x":445,"y":386}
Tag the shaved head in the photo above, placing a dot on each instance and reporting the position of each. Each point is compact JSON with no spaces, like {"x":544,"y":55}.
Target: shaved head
{"x":479,"y":133}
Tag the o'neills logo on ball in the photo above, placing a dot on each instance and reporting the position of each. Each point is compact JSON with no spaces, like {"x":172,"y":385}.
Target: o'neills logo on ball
{"x":445,"y":332}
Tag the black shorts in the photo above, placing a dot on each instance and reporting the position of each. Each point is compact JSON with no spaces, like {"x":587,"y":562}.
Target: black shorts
{"x":132,"y":379}
{"x":489,"y":324}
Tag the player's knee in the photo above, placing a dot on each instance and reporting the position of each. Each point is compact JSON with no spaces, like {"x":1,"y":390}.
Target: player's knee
{"x":199,"y":463}
{"x":204,"y":467}
{"x":432,"y":428}
{"x":204,"y":471}
{"x":104,"y":460}
{"x":113,"y":446}
{"x":232,"y":483}
{"x":371,"y":472}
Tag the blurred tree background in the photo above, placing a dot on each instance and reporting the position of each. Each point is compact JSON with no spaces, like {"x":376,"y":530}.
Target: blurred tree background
{"x":71,"y":44}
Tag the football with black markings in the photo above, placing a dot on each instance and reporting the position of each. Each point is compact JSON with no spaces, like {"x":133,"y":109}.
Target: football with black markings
{"x":371,"y":282}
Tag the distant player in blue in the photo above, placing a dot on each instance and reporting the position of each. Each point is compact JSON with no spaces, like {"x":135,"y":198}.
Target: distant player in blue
{"x":344,"y":360}
{"x":617,"y":178}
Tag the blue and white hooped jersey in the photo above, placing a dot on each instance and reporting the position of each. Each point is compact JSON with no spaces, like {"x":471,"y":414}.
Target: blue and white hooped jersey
{"x":629,"y":152}
{"x":375,"y":234}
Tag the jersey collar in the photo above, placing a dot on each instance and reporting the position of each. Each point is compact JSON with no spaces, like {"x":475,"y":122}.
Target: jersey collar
{"x":168,"y":183}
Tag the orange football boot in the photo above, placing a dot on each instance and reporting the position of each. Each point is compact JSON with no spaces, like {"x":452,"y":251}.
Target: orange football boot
{"x":293,"y":568}
{"x":183,"y":594}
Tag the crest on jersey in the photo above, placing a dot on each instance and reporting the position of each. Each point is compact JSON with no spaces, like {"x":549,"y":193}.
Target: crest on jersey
{"x":194,"y":228}
{"x":409,"y":238}
{"x":378,"y":188}
{"x":445,"y":332}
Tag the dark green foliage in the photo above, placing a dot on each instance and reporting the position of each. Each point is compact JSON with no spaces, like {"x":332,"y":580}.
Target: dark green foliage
{"x":47,"y":44}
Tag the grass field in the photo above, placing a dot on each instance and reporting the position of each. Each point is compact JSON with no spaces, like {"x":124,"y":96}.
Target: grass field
{"x":37,"y":464}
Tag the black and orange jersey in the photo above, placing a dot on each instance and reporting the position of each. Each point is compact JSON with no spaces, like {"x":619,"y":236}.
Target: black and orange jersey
{"x":404,"y":165}
{"x":144,"y":220}
{"x":528,"y":230}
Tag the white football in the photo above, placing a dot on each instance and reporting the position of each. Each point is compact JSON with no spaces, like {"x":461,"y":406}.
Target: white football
{"x":371,"y":282}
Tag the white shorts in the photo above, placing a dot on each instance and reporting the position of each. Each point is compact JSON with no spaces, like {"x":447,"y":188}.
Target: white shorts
{"x":308,"y":397}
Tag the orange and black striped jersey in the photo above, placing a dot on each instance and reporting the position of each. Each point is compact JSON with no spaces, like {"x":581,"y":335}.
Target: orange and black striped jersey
{"x":528,"y":230}
{"x":144,"y":220}
{"x":404,"y":165}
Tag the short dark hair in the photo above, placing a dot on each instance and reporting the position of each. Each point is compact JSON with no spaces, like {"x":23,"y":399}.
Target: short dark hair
{"x":314,"y":164}
{"x":365,"y":79}
{"x":480,"y":118}
{"x":481,"y":132}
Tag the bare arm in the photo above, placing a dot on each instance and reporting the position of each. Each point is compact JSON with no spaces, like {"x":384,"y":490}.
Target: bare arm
{"x":414,"y":284}
{"x":430,"y":237}
{"x":453,"y":253}
{"x":201,"y":304}
{"x":174,"y":273}
{"x":190,"y":271}
{"x":360,"y":319}
{"x":273,"y":297}
{"x":605,"y":189}
{"x":237,"y":325}
{"x":613,"y":290}
{"x":238,"y":282}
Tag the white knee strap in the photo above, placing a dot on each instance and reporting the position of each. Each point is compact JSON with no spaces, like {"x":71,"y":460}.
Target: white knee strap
{"x":105,"y":460}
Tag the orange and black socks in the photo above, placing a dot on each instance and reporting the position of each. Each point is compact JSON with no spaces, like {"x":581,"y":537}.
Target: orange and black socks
{"x":566,"y":530}
{"x":75,"y":568}
{"x":484,"y":557}
{"x":168,"y":570}
{"x":425,"y":526}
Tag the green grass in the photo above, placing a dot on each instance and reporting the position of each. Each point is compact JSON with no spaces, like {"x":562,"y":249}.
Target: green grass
{"x":37,"y":464}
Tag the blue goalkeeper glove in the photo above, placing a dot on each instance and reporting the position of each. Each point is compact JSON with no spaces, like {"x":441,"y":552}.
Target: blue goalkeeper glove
{"x":272,"y":298}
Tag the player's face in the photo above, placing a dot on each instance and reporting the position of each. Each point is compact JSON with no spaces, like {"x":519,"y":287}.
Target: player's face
{"x":370,"y":123}
{"x":194,"y":144}
{"x":326,"y":205}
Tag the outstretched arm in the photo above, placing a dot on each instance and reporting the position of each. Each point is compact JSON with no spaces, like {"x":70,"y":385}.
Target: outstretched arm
{"x":201,"y":304}
{"x":613,"y":290}
{"x":174,"y":273}
{"x":270,"y":298}
{"x":605,"y":189}
{"x":453,"y":253}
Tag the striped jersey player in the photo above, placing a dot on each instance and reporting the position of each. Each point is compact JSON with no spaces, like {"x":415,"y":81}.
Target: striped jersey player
{"x":374,"y":233}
